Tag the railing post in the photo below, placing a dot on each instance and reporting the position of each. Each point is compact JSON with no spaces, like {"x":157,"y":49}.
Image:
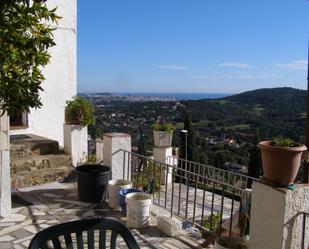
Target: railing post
{"x":5,"y":178}
{"x":113,"y":142}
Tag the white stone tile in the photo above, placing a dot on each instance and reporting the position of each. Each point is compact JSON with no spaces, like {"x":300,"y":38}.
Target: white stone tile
{"x":26,"y":223}
{"x":51,"y":195}
{"x":26,"y":243}
{"x":23,"y":239}
{"x":6,"y":238}
{"x":32,"y":228}
{"x":18,"y":209}
{"x":17,"y":247}
{"x":52,"y":222}
{"x":44,"y":226}
{"x":6,"y":224}
{"x":78,"y":203}
{"x":41,"y":221}
{"x":8,"y":230}
{"x":36,"y":212}
{"x":13,"y":218}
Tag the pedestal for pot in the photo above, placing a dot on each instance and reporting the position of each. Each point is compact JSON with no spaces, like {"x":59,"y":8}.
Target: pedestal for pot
{"x":114,"y":186}
{"x":138,"y":209}
{"x":162,"y":139}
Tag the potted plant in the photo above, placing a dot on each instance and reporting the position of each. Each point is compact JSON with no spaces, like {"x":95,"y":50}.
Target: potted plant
{"x":163,"y":134}
{"x":281,"y":160}
{"x":79,"y":111}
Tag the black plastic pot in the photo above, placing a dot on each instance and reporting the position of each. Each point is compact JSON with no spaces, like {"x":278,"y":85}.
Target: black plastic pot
{"x":92,"y":182}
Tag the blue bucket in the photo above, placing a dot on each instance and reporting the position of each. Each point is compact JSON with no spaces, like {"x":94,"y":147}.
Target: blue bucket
{"x":122,"y":198}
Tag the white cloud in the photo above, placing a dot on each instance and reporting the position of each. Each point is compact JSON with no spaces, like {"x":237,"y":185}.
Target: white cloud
{"x":238,"y":76}
{"x":173,"y":67}
{"x":254,"y":76}
{"x":234,"y":64}
{"x":201,"y":77}
{"x":293,"y":65}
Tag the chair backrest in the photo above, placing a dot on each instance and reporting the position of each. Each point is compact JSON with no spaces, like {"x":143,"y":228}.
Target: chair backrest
{"x":76,"y":234}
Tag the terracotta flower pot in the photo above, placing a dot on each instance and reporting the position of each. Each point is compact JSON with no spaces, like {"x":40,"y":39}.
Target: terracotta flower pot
{"x":280,"y":164}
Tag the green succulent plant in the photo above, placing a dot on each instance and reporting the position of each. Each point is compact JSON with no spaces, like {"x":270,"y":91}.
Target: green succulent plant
{"x":163,"y":127}
{"x":284,"y":142}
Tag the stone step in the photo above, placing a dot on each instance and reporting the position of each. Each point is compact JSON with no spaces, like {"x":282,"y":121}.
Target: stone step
{"x":41,"y":162}
{"x":31,"y":178}
{"x":31,"y":145}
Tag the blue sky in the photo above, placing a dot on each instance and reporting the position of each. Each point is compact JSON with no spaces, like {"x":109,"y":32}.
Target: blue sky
{"x":196,"y":46}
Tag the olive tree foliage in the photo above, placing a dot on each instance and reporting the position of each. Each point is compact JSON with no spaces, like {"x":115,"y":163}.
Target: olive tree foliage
{"x":25,"y":38}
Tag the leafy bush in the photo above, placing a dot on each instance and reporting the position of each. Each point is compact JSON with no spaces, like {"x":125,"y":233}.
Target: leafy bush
{"x":79,"y":111}
{"x":26,"y":38}
{"x":284,"y":142}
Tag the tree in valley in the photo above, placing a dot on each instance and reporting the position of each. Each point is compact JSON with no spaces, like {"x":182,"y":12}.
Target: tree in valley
{"x":191,"y":141}
{"x":255,"y":161}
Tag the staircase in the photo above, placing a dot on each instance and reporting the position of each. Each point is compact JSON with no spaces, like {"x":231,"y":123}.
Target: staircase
{"x":36,"y":160}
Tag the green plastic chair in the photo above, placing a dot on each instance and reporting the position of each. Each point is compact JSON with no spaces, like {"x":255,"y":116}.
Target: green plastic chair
{"x":71,"y":234}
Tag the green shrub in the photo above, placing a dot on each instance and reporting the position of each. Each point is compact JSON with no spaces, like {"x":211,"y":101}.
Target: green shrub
{"x":79,"y":111}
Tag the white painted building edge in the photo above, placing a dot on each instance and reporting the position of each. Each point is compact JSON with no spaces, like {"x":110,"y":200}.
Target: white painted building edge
{"x":60,"y":82}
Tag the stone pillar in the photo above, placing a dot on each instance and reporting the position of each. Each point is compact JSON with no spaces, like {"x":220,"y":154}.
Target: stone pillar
{"x":276,"y":221}
{"x":165,"y":156}
{"x":5,"y":177}
{"x":75,"y":139}
{"x":119,"y":161}
{"x":99,"y":150}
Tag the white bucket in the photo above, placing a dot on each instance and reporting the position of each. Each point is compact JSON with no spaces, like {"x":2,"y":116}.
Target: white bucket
{"x":138,"y":209}
{"x":114,"y":186}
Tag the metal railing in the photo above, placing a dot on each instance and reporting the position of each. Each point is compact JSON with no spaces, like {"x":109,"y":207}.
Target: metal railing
{"x":202,"y":195}
{"x":230,"y":177}
{"x":305,"y":241}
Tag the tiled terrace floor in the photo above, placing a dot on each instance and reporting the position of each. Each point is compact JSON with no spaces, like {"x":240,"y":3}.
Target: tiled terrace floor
{"x":36,"y":209}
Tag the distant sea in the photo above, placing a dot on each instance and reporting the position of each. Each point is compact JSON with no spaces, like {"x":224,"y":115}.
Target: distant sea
{"x":180,"y":96}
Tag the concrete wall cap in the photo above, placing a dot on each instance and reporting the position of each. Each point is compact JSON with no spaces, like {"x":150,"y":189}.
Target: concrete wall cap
{"x":116,"y":134}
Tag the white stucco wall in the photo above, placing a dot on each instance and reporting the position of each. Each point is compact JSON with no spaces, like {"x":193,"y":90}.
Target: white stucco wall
{"x":276,"y":221}
{"x":60,"y":84}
